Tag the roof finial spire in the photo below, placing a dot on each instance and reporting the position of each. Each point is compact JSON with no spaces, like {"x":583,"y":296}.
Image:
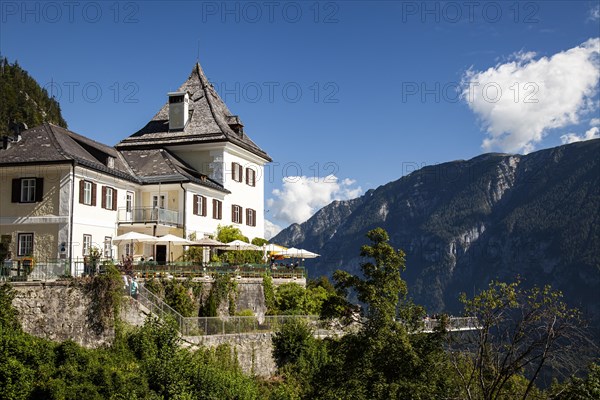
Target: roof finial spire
{"x":198,"y":53}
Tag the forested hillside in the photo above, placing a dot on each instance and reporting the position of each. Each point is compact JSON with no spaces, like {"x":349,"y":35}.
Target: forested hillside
{"x":22,"y":99}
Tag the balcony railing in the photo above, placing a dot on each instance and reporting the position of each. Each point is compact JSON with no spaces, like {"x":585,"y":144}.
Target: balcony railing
{"x":146,"y":215}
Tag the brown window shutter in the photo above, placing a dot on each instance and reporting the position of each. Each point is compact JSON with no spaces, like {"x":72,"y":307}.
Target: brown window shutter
{"x":16,"y":190}
{"x":233,"y":213}
{"x":93,"y":194}
{"x":247,"y":216}
{"x":81,"y":196}
{"x":114,"y":203}
{"x":39,"y":189}
{"x":247,"y":176}
{"x":196,"y":204}
{"x":241,"y":172}
{"x":215,"y":209}
{"x":233,"y":171}
{"x":203,"y":206}
{"x":103,"y":202}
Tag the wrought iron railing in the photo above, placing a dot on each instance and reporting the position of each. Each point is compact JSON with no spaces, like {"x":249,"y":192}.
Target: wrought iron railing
{"x":151,"y":269}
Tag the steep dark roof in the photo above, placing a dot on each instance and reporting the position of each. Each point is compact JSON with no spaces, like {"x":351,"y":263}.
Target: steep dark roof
{"x":160,"y":165}
{"x":48,"y":143}
{"x":209,"y":120}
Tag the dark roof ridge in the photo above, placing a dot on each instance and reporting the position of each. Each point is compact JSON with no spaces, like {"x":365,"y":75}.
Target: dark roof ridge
{"x":90,"y":142}
{"x":51,"y":134}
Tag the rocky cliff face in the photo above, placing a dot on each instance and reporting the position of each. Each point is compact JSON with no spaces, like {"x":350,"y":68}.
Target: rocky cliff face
{"x":465,"y":223}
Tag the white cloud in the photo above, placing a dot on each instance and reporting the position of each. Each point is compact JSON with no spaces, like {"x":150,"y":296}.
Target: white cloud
{"x":594,"y":14}
{"x":301,"y":196}
{"x":592,"y":133}
{"x":271,"y":229}
{"x":595,"y":122}
{"x":519,"y":101}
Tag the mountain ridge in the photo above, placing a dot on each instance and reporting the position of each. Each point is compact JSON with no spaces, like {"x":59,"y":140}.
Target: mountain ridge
{"x":464,"y":223}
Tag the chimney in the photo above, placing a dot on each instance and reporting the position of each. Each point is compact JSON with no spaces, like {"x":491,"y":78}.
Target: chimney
{"x":17,"y":128}
{"x":178,"y":110}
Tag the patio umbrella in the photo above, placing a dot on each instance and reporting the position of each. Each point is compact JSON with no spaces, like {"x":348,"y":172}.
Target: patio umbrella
{"x":133,"y":237}
{"x":207,"y":243}
{"x":307,"y":254}
{"x":297,"y":253}
{"x":172,"y":239}
{"x":241,"y":245}
{"x":272,"y":248}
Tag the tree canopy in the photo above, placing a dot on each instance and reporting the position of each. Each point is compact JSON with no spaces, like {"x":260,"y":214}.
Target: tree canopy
{"x":22,"y":99}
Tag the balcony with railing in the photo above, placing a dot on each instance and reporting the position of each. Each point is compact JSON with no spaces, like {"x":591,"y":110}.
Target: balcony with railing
{"x":149,"y":215}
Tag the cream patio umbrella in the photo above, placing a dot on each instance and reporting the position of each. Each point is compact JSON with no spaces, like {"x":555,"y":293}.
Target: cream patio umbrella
{"x":172,"y":239}
{"x":133,"y":237}
{"x":241,"y":245}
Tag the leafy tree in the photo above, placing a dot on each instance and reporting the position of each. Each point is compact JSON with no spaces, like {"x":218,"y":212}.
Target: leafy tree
{"x":297,"y":353}
{"x":581,"y":389}
{"x":382,"y":286}
{"x":229,"y":233}
{"x":257,"y":241}
{"x":23,"y":100}
{"x":522,"y":331}
{"x":380,"y":360}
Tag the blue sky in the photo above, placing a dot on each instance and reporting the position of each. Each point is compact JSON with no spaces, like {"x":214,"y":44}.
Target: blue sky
{"x":366,"y":91}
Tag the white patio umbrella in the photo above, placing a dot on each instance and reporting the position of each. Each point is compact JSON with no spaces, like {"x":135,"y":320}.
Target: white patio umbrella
{"x":133,"y":237}
{"x":307,"y":254}
{"x":241,"y":245}
{"x":297,"y":253}
{"x":172,"y":239}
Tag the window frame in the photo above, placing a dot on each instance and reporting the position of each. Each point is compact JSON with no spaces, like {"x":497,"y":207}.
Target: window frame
{"x":86,"y":245}
{"x":162,"y":200}
{"x":237,"y":172}
{"x":237,"y":214}
{"x":129,"y":199}
{"x":107,"y":251}
{"x":217,"y":209}
{"x":25,"y":198}
{"x":22,"y":235}
{"x":250,"y":177}
{"x":106,"y":204}
{"x":199,"y":207}
{"x":250,"y":217}
{"x":27,"y":190}
{"x":109,"y":195}
{"x":88,"y":189}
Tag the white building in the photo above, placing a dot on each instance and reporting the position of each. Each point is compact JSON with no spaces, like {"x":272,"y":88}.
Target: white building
{"x":189,"y":170}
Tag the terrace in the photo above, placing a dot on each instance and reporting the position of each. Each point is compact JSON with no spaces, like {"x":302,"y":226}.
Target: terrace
{"x":49,"y":270}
